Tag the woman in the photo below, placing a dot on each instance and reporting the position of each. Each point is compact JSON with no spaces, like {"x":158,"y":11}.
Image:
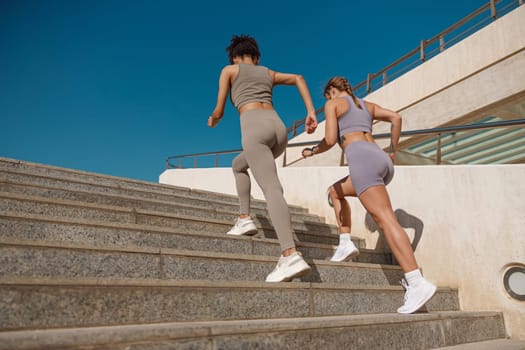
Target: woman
{"x":349,"y":121}
{"x":264,"y":138}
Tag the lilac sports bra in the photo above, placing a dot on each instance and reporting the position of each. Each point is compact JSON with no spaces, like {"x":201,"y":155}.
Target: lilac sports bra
{"x":355,"y":119}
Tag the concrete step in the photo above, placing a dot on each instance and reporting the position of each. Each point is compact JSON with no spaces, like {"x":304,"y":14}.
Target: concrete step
{"x":59,"y":231}
{"x":497,"y":344}
{"x":42,"y":303}
{"x":33,"y":185}
{"x":371,"y":332}
{"x":53,"y":175}
{"x":13,"y":204}
{"x":42,"y":259}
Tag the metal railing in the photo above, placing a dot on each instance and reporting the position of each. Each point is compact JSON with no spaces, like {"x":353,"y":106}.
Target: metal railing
{"x":433,"y":131}
{"x":426,"y":50}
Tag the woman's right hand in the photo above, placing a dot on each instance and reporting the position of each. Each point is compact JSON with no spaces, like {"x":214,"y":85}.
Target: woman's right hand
{"x":307,"y":152}
{"x":310,"y":123}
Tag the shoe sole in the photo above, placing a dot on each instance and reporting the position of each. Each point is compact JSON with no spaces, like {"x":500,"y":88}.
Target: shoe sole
{"x":247,"y":233}
{"x":421,"y":304}
{"x":349,"y":257}
{"x":298,"y":274}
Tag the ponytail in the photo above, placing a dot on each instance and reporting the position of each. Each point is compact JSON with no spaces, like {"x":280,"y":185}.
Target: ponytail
{"x":342,"y":84}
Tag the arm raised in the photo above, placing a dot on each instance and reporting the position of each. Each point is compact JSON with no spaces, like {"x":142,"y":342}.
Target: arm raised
{"x":390,"y":116}
{"x":298,"y":80}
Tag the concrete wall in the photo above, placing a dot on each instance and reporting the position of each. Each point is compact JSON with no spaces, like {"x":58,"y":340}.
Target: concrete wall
{"x":466,"y":222}
{"x":469,"y":77}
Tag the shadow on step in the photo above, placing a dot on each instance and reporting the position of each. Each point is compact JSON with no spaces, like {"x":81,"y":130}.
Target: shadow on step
{"x":407,"y":221}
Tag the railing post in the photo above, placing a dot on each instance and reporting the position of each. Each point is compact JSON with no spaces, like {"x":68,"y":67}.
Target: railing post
{"x":216,"y":160}
{"x":438,"y":150}
{"x":284,"y":158}
{"x":384,"y":79}
{"x":441,"y":43}
{"x":422,"y":50}
{"x":195,"y":162}
{"x":180,"y":163}
{"x":368,"y":83}
{"x":493,"y":13}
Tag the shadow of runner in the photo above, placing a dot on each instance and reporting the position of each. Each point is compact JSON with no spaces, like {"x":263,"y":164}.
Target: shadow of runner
{"x":406,"y":221}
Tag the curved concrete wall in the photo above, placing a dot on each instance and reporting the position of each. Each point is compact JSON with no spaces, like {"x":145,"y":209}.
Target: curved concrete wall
{"x":466,"y":222}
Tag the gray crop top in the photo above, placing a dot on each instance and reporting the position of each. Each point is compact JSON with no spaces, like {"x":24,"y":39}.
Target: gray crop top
{"x":355,"y":119}
{"x":252,"y":84}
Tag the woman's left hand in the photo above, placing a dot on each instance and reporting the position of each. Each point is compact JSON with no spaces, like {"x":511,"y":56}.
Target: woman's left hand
{"x":212,"y":122}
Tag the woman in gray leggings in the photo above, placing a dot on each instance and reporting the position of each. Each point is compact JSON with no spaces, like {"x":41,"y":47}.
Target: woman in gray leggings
{"x":264,"y":138}
{"x":349,"y":122}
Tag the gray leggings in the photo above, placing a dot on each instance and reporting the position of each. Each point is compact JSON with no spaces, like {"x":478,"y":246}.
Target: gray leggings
{"x":264,"y":138}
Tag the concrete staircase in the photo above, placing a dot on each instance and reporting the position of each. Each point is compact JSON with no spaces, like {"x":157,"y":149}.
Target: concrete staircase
{"x":98,"y":262}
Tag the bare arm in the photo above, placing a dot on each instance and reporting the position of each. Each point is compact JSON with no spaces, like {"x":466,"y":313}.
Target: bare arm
{"x":392,"y":117}
{"x":298,"y":80}
{"x":224,"y":86}
{"x":330,"y":138}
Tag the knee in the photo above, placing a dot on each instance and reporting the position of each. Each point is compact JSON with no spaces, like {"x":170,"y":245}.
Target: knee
{"x":384,"y":221}
{"x":238,"y":165}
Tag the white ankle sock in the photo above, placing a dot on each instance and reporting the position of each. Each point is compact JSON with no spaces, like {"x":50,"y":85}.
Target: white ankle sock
{"x":413,"y":276}
{"x":344,"y":238}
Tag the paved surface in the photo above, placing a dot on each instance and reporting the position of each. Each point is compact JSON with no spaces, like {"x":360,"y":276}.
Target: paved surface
{"x":500,"y":344}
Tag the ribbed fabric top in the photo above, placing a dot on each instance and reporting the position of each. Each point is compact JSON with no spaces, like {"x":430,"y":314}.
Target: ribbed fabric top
{"x":355,"y":119}
{"x":252,"y":84}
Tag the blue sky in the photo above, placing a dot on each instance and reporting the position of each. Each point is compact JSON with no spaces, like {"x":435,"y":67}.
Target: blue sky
{"x":116,"y":86}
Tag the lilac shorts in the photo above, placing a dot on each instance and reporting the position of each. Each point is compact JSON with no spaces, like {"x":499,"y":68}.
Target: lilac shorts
{"x":369,"y":165}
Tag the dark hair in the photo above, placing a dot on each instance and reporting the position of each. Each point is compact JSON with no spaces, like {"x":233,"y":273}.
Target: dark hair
{"x":341,"y":84}
{"x":241,"y":45}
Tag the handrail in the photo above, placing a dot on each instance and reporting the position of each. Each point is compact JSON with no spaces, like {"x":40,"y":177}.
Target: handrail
{"x":438,"y":130}
{"x":295,"y":128}
{"x":366,"y":86}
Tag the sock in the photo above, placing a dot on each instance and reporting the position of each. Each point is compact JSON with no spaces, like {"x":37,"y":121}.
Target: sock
{"x":344,"y":238}
{"x":413,"y":276}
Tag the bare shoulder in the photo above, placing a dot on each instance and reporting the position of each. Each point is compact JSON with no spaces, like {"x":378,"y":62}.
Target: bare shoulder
{"x":230,"y":69}
{"x":370,"y":106}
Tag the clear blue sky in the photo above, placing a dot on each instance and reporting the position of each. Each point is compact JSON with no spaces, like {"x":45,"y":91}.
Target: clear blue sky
{"x":116,"y":86}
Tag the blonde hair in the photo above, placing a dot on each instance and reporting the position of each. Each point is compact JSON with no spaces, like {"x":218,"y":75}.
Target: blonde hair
{"x":341,"y":84}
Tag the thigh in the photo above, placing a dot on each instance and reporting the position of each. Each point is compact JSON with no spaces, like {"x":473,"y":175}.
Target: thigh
{"x":262,"y":164}
{"x":376,"y":201}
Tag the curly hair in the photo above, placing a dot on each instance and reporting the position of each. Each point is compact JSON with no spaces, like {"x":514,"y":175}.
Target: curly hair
{"x":341,"y":84}
{"x":241,"y":45}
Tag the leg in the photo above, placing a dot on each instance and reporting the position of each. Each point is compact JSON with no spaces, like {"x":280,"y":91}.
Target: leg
{"x":262,"y":164}
{"x":242,"y":183}
{"x":338,"y":191}
{"x":346,"y":250}
{"x":418,"y":289}
{"x":244,"y":224}
{"x":376,"y":201}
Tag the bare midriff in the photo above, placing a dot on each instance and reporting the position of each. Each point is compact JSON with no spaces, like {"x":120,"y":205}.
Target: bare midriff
{"x":254,"y":105}
{"x":356,"y":136}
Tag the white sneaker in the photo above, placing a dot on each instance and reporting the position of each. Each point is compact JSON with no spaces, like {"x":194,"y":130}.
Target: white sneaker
{"x":416,"y":295}
{"x":288,"y":268}
{"x":345,"y":251}
{"x":244,"y":226}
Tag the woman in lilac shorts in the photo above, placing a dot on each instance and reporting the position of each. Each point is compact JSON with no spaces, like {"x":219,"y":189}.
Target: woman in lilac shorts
{"x":349,"y":122}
